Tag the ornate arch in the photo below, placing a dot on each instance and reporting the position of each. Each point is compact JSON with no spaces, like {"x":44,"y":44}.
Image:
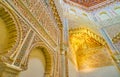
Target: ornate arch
{"x":13,"y":29}
{"x":49,"y":56}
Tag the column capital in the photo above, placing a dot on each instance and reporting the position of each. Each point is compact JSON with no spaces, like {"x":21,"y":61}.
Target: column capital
{"x":63,"y":48}
{"x":7,"y":70}
{"x":46,"y":74}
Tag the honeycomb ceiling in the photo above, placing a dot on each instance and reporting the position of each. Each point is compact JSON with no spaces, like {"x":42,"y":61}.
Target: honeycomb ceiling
{"x":87,"y":51}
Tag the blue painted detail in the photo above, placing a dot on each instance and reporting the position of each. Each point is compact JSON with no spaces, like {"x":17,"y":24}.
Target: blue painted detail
{"x":108,"y":40}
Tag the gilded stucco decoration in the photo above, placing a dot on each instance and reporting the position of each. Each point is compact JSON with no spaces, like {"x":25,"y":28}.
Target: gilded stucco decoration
{"x":49,"y":56}
{"x":116,"y":38}
{"x":11,"y":30}
{"x":24,"y":26}
{"x":41,"y":20}
{"x":56,"y":14}
{"x":116,"y":41}
{"x":35,"y":29}
{"x":87,"y":49}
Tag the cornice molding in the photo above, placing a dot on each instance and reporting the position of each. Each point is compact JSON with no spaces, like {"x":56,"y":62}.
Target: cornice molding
{"x":88,"y":32}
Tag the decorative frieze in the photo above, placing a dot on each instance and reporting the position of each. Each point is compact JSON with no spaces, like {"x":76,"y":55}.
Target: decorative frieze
{"x":30,"y":33}
{"x":56,"y":15}
{"x":83,"y":30}
{"x":24,"y":48}
{"x":24,"y":27}
{"x":42,"y":16}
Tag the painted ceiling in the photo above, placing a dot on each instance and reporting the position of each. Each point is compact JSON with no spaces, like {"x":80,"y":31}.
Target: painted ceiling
{"x":87,"y":3}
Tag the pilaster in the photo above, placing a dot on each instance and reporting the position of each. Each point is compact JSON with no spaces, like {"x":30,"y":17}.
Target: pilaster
{"x":63,"y":61}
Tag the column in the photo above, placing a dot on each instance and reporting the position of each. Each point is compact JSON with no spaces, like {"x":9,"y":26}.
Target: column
{"x":63,"y":49}
{"x":62,"y":57}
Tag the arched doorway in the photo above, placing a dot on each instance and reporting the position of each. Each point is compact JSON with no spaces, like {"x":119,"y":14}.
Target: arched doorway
{"x":40,"y":63}
{"x":36,"y":64}
{"x":10,"y":31}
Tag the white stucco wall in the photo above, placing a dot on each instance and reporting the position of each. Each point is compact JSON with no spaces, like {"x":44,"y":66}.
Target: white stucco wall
{"x":109,"y":71}
{"x":35,"y":69}
{"x":36,"y":65}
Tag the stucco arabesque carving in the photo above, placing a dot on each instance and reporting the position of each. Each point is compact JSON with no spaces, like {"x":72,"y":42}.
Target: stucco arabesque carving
{"x":25,"y":11}
{"x":6,"y":56}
